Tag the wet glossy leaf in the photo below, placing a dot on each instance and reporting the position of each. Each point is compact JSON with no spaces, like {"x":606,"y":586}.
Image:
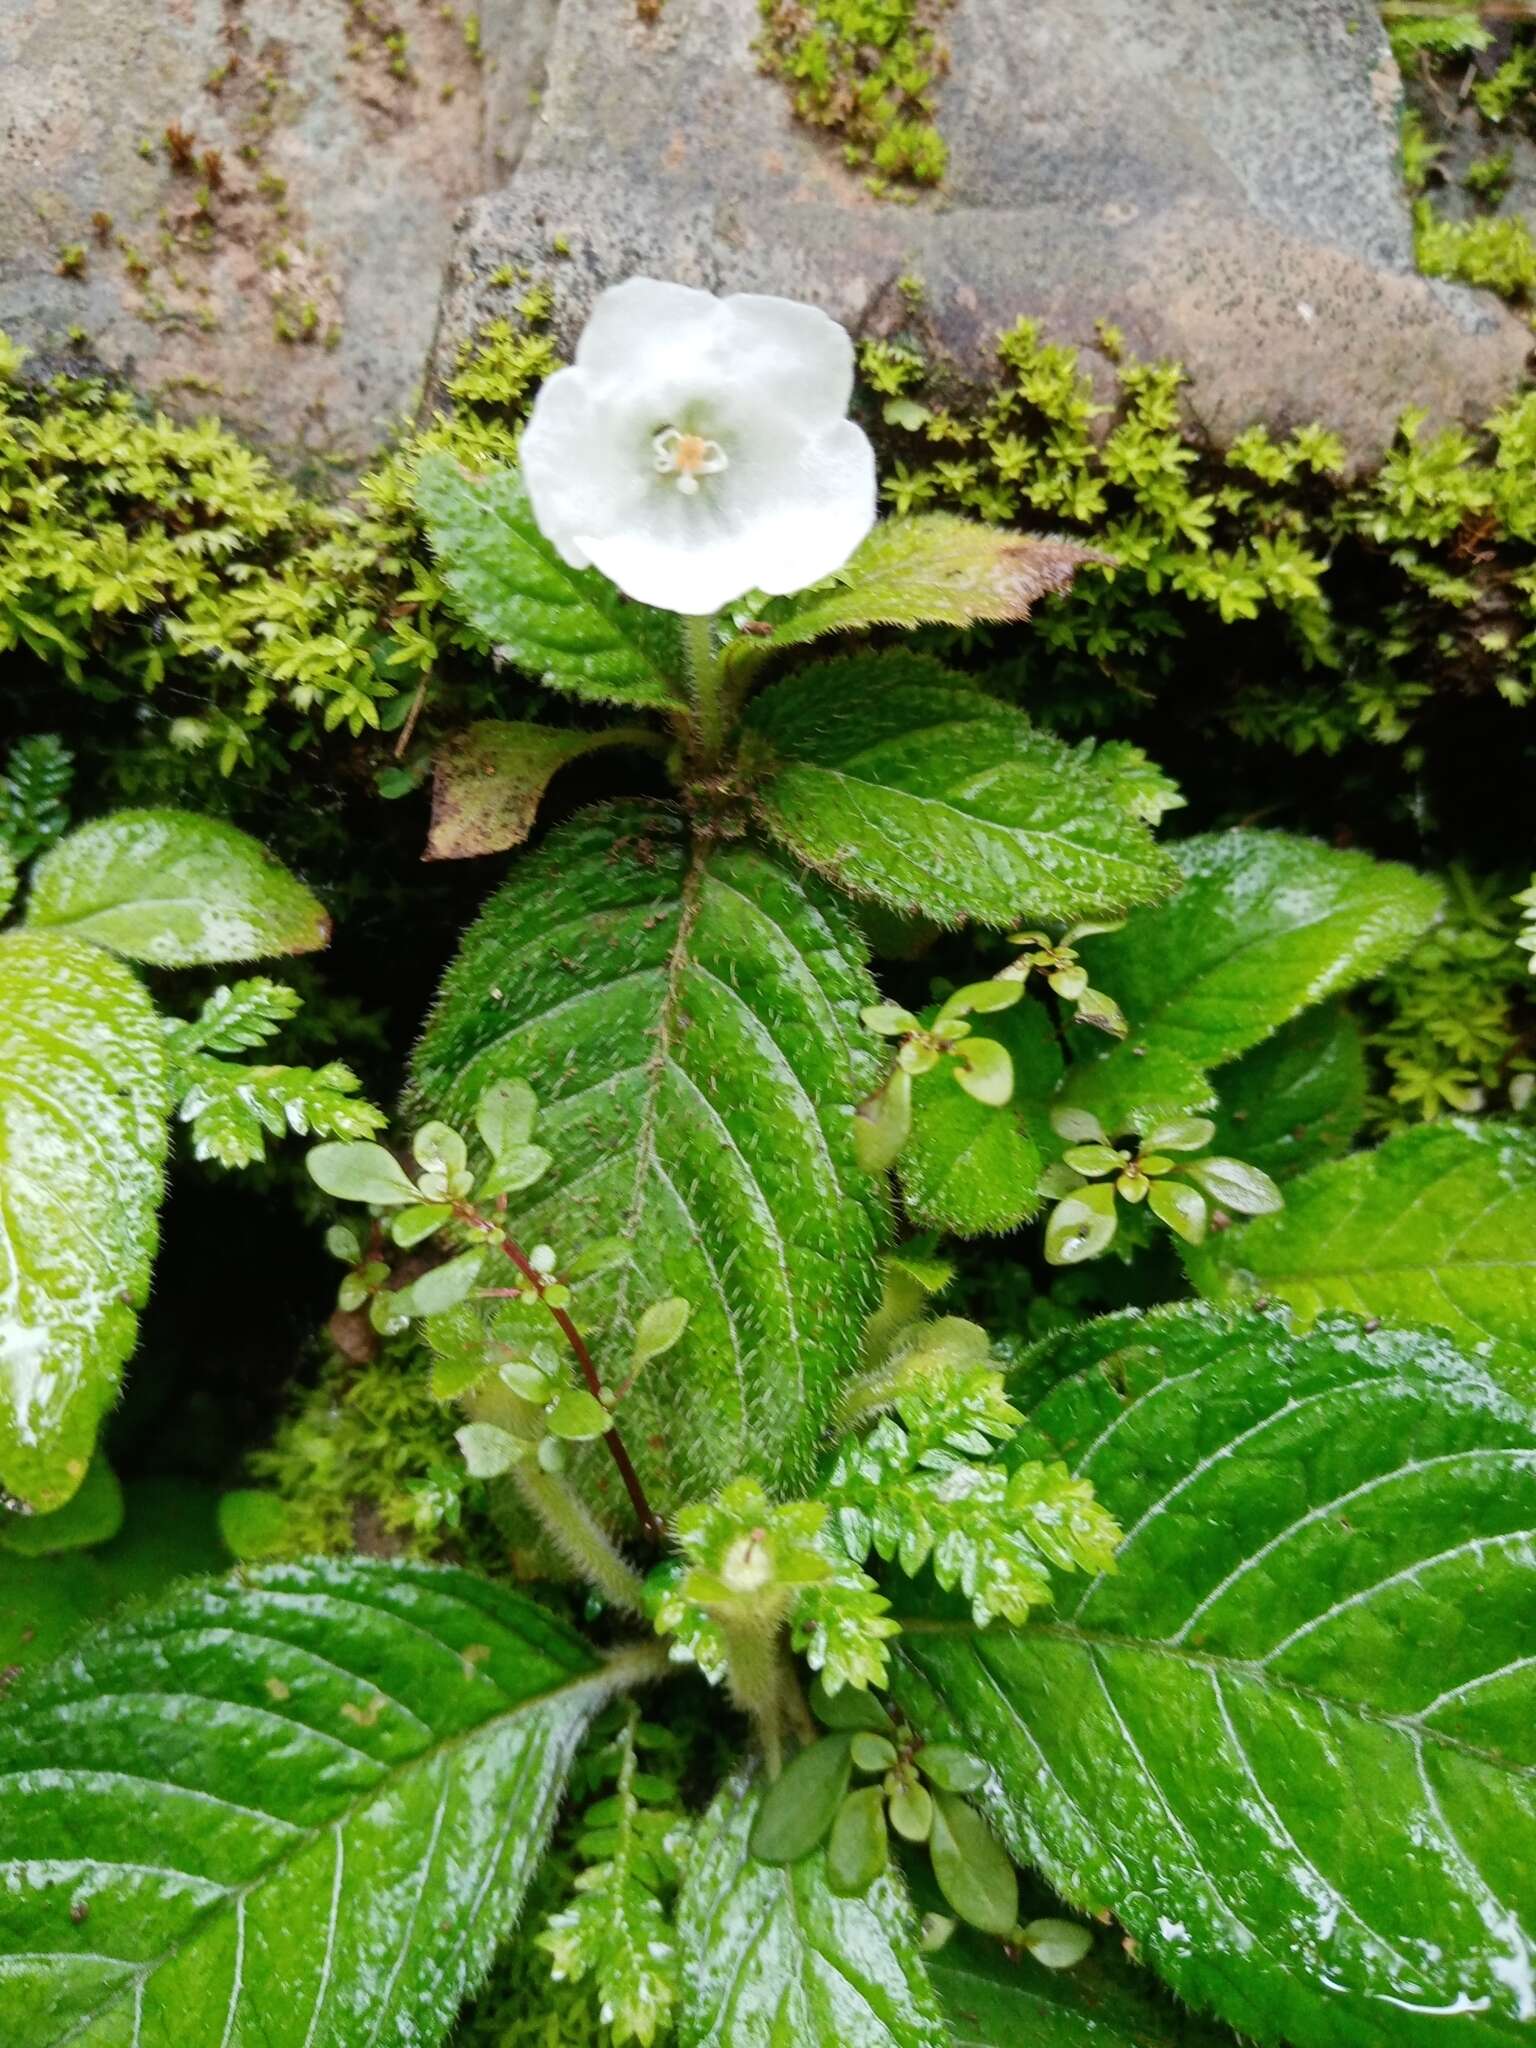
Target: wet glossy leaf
{"x":82,"y":1138}
{"x":577,"y":1417}
{"x":359,"y":1172}
{"x":1298,"y":1098}
{"x":970,"y":1168}
{"x":93,"y":1515}
{"x":771,"y":1957}
{"x":570,"y":628}
{"x":173,"y":889}
{"x":997,"y":2000}
{"x":488,"y":780}
{"x":1182,"y":1208}
{"x":900,"y":781}
{"x":799,"y":1806}
{"x":1081,"y":1225}
{"x":342,"y":1776}
{"x":1234,"y":1184}
{"x":1290,"y":1742}
{"x":689,"y":1021}
{"x":1437,"y":1225}
{"x":984,"y":1070}
{"x":932,"y":567}
{"x":1265,"y":925}
{"x":950,"y":1768}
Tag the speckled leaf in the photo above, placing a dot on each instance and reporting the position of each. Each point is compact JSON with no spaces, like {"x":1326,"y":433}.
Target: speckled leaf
{"x":902,"y":782}
{"x":1438,"y":1225}
{"x":488,"y":780}
{"x":932,"y":568}
{"x":689,"y":1022}
{"x":569,"y":627}
{"x":1291,"y":1743}
{"x":174,"y":890}
{"x":994,"y":1999}
{"x":772,"y":1959}
{"x":970,"y":1168}
{"x":294,"y":1809}
{"x":1296,"y":1099}
{"x":82,"y":1138}
{"x":1265,"y":925}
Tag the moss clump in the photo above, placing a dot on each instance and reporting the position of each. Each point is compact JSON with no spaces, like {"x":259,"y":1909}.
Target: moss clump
{"x":1496,"y":251}
{"x":866,"y":69}
{"x":136,"y":551}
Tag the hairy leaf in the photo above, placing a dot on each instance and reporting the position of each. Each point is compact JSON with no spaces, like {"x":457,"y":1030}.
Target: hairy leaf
{"x":1290,"y":1743}
{"x":1265,"y":925}
{"x":82,"y":1138}
{"x":487,"y":781}
{"x":994,"y":2000}
{"x":1136,"y":1085}
{"x":297,"y":1808}
{"x":688,"y":1018}
{"x":902,"y":782}
{"x":1438,"y":1225}
{"x":970,"y":1168}
{"x":1296,"y":1099}
{"x":174,"y":890}
{"x":569,"y":627}
{"x":771,"y":1957}
{"x":933,"y":568}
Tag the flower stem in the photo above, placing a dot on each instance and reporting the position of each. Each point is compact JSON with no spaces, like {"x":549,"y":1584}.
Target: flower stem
{"x":578,"y":1537}
{"x":704,"y":683}
{"x":757,"y":1674}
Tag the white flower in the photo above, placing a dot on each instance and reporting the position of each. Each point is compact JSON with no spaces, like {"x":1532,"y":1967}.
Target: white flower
{"x":699,"y":447}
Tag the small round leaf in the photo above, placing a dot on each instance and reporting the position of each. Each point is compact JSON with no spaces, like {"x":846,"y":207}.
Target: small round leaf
{"x":858,"y":1848}
{"x":972,"y":1868}
{"x":356,"y":1171}
{"x":802,"y":1802}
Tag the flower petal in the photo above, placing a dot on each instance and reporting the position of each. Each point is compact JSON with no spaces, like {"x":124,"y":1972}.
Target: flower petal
{"x":818,"y":503}
{"x":795,"y":355}
{"x":578,"y":470}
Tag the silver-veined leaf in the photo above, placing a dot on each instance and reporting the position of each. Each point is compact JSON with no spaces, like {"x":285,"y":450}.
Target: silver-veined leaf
{"x":687,"y":1016}
{"x":294,"y":1808}
{"x":901,"y":781}
{"x":82,"y":1139}
{"x":1291,"y":1742}
{"x":173,"y":889}
{"x":1437,"y":1225}
{"x":773,"y":1959}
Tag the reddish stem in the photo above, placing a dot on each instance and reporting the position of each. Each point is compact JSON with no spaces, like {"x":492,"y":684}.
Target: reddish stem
{"x":651,"y":1526}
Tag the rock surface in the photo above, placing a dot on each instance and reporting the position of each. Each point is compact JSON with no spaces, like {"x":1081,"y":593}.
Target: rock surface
{"x":327,"y":220}
{"x":1217,"y":179}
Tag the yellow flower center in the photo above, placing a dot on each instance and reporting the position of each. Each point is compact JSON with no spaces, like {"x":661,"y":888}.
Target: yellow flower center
{"x":687,"y":457}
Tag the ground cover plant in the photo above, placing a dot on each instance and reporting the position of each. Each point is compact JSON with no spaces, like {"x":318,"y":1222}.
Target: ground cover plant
{"x":835,"y":1634}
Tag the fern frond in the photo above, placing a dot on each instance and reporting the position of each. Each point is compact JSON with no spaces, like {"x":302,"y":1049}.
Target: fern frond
{"x":233,"y":1109}
{"x":236,"y":1017}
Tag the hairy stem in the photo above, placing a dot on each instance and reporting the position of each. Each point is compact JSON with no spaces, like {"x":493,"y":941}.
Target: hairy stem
{"x":757,"y":1675}
{"x":705,"y":684}
{"x":577,"y":1535}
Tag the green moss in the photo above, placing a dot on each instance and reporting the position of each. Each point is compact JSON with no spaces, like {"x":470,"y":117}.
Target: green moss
{"x":135,"y":549}
{"x":865,"y":69}
{"x":1496,"y":251}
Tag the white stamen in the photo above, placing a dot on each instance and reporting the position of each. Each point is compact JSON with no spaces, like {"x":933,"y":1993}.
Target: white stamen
{"x":687,"y":457}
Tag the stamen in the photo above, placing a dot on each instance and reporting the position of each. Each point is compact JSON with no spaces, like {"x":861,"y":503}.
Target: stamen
{"x":687,"y":457}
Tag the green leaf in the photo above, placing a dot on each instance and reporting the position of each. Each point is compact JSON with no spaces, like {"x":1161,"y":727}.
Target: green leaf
{"x":82,"y":1138}
{"x":934,"y":568}
{"x":442,"y":1287}
{"x":233,"y":1109}
{"x":900,"y":781}
{"x":688,"y":1018}
{"x":1265,"y":925}
{"x":569,"y":628}
{"x":488,"y":780}
{"x":972,"y":1169}
{"x":94,"y":1515}
{"x":1136,"y":1086}
{"x":972,"y":1867}
{"x":996,"y":2001}
{"x":1298,"y":1098}
{"x":342,"y":1775}
{"x":1290,"y":1742}
{"x":660,"y":1327}
{"x":490,"y":1451}
{"x":7,"y":880}
{"x":859,"y":1847}
{"x":235,"y":1018}
{"x":174,"y":890}
{"x":1081,"y":1225}
{"x":504,"y":1117}
{"x":254,"y":1525}
{"x":168,"y":1532}
{"x":798,"y":1808}
{"x":578,"y":1417}
{"x":1438,"y":1225}
{"x":361,"y":1173}
{"x":771,"y":1957}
